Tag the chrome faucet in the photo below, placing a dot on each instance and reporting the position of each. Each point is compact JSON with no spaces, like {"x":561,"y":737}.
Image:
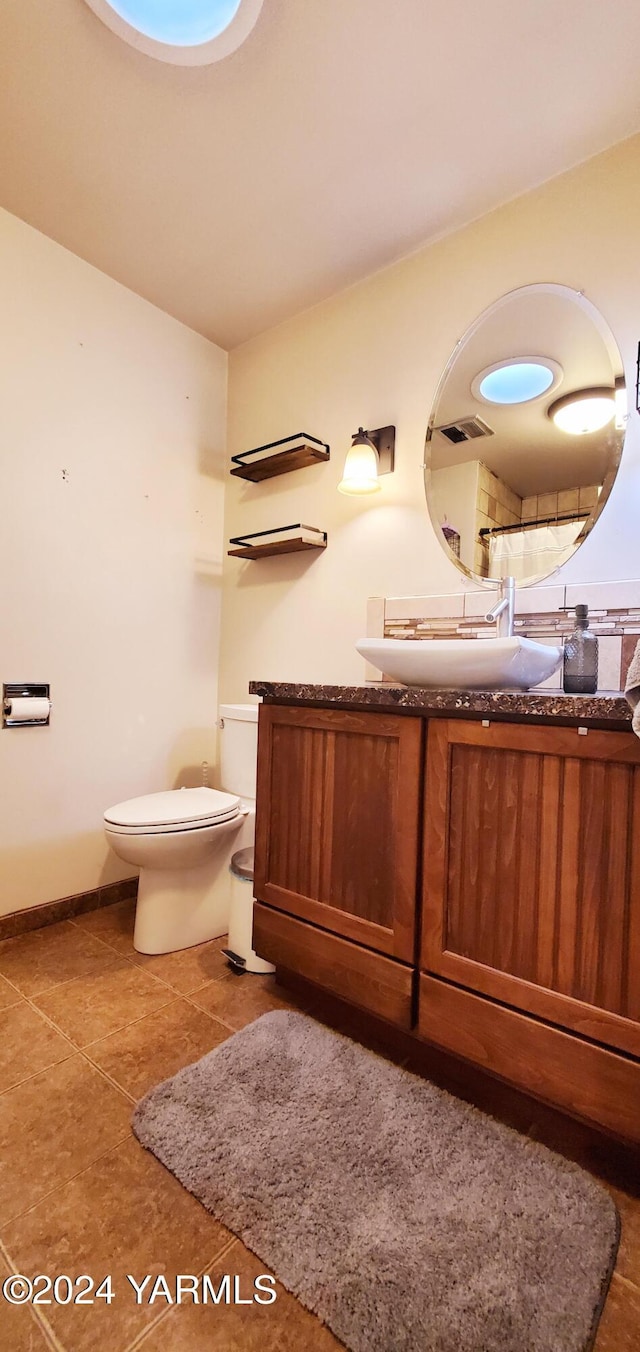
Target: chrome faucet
{"x":504,"y":609}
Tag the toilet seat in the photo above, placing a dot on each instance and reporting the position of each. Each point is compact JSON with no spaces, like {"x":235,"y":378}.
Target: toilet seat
{"x":176,"y":810}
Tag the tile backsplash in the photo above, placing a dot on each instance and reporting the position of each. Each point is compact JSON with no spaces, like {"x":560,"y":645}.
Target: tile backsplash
{"x":614,"y":615}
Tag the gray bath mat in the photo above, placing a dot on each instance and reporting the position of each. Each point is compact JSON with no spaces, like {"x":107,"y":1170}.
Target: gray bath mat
{"x":407,"y":1220}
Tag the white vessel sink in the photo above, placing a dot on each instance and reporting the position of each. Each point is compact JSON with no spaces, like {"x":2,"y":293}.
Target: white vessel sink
{"x":463,"y":663}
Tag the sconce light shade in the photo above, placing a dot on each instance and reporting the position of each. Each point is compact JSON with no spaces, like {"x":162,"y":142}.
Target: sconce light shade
{"x":371,"y":454}
{"x":583,"y":411}
{"x":360,"y":473}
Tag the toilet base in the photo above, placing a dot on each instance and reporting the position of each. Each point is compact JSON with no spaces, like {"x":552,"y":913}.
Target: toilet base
{"x":178,"y":908}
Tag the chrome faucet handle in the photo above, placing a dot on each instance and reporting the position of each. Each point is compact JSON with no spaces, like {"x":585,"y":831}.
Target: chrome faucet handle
{"x":504,"y":609}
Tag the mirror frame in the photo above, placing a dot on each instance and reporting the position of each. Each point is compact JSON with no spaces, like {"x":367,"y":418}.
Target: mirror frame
{"x":615,"y":356}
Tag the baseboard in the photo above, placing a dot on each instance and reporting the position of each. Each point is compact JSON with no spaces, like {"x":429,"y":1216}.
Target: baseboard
{"x":36,"y":917}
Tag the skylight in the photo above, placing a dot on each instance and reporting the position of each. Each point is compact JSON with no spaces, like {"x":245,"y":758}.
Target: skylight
{"x":185,"y":32}
{"x":516,"y":381}
{"x":181,"y":23}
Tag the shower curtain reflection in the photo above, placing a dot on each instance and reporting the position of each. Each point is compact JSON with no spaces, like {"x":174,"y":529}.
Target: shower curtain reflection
{"x":538,"y":550}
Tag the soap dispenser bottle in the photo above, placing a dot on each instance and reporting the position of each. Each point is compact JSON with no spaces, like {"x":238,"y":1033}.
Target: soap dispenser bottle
{"x":580,"y":675}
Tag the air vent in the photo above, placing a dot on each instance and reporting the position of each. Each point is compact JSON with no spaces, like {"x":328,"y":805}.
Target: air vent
{"x":467,"y":429}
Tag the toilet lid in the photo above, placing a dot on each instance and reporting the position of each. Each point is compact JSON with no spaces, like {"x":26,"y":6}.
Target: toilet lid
{"x":178,"y":807}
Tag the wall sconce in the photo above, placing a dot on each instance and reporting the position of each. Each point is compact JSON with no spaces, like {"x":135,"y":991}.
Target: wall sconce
{"x":583,"y":411}
{"x":371,"y":454}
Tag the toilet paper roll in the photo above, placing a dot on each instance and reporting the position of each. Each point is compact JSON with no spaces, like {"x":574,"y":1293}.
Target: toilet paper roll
{"x":25,"y":710}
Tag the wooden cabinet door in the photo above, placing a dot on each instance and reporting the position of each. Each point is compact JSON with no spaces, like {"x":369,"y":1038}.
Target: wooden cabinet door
{"x":338,"y":820}
{"x":531,"y":871}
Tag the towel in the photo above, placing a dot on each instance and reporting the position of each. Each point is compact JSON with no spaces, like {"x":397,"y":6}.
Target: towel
{"x":632,"y":689}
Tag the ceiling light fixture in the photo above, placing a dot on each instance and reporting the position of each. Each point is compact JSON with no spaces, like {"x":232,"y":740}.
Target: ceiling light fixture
{"x":182,"y":32}
{"x":583,"y":411}
{"x":371,"y":454}
{"x":516,"y":380}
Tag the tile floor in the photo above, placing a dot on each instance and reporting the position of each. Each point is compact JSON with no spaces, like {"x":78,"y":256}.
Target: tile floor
{"x":87,"y":1025}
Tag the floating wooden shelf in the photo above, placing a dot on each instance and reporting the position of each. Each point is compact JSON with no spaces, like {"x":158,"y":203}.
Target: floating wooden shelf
{"x":257,"y":547}
{"x":283,"y":457}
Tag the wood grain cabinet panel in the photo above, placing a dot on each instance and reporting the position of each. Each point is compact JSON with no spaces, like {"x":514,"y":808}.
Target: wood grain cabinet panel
{"x":531,"y":869}
{"x":588,"y":1081}
{"x":369,"y":980}
{"x":337,"y":829}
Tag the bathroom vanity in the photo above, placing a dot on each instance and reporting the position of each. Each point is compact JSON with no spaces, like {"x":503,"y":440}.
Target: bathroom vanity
{"x":466,"y":866}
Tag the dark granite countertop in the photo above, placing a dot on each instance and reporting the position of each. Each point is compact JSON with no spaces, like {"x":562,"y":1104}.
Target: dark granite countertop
{"x":606,"y":709}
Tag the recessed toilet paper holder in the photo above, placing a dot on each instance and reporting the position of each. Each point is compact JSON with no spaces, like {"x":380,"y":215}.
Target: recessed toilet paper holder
{"x":24,"y":690}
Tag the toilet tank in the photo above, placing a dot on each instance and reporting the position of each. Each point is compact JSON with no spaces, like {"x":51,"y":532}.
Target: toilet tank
{"x":238,"y":748}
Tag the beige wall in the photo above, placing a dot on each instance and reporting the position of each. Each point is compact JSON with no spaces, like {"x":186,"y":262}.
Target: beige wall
{"x":111,"y":508}
{"x":373,"y":355}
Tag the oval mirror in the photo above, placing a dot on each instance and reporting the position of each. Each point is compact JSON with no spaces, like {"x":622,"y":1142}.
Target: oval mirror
{"x":525,"y":435}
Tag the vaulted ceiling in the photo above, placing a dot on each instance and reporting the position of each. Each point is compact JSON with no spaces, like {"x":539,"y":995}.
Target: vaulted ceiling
{"x":340,"y":136}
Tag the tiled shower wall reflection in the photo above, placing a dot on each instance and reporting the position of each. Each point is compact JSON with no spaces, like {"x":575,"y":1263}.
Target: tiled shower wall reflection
{"x":614,"y":615}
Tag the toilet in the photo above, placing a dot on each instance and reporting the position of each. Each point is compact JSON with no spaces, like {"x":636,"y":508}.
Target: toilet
{"x":182,"y":841}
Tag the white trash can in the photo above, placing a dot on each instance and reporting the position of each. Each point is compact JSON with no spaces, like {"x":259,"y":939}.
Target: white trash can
{"x":240,"y":951}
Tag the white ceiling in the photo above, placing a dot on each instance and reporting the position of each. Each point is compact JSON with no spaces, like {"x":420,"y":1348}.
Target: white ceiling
{"x":342,"y":135}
